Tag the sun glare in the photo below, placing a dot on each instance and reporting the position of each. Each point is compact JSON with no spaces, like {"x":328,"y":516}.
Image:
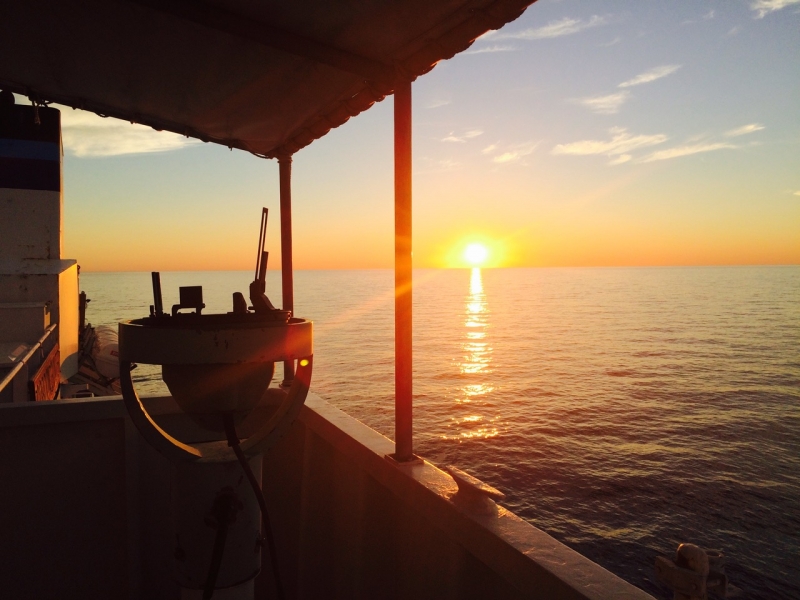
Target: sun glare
{"x":476,"y":254}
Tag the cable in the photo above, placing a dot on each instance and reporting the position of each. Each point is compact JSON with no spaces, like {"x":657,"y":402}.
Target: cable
{"x":216,"y":558}
{"x":233,"y":442}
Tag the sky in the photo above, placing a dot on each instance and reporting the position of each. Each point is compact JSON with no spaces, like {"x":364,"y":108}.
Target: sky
{"x":585,"y":133}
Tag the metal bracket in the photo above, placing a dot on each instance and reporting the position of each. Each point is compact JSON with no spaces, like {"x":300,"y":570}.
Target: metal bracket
{"x":473,"y":494}
{"x":262,"y":439}
{"x":414,"y":460}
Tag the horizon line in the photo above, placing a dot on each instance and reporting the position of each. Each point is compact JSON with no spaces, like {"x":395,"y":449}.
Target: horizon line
{"x":678,"y":266}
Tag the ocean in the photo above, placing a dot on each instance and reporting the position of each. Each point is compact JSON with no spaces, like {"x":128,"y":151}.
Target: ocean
{"x":621,"y":410}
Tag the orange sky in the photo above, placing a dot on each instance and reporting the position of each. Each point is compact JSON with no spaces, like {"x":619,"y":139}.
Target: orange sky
{"x":631,"y":136}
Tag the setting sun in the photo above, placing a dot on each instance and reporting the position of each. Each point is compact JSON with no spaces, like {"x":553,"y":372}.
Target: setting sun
{"x":476,"y":254}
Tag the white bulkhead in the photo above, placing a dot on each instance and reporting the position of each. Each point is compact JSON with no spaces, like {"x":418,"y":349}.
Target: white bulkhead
{"x":32,"y":269}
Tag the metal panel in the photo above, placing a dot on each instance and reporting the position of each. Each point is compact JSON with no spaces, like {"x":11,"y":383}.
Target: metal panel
{"x":44,"y":384}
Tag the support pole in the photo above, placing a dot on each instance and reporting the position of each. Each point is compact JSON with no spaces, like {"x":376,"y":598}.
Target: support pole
{"x":402,"y":272}
{"x":287,"y":275}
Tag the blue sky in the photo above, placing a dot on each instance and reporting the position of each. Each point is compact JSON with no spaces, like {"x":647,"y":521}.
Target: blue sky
{"x":584,"y":133}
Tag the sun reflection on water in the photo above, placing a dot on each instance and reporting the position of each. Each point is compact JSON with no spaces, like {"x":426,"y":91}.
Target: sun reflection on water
{"x":477,"y":352}
{"x":475,"y":364}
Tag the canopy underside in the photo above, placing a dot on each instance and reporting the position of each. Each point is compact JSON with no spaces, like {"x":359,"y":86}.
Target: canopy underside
{"x":268,"y":77}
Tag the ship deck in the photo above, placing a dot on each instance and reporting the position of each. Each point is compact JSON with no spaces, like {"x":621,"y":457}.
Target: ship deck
{"x":87,"y":505}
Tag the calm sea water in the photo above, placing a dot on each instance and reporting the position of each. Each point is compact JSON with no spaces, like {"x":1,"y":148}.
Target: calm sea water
{"x":621,"y":410}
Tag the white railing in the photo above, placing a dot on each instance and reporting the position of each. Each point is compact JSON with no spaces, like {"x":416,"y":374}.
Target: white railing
{"x":14,"y":385}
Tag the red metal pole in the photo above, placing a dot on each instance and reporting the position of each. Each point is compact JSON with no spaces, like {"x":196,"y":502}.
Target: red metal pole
{"x":402,"y":272}
{"x":287,"y":275}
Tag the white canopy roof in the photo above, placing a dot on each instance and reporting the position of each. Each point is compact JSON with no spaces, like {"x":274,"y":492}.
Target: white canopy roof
{"x":267,"y":76}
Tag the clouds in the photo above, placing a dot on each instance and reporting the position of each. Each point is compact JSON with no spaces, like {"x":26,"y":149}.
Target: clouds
{"x":610,"y":104}
{"x":437,"y":103}
{"x":491,"y":49}
{"x":468,"y":135}
{"x":513,"y":153}
{"x":554,"y":29}
{"x":651,"y":75}
{"x":88,"y":135}
{"x":744,"y":130}
{"x":685,"y":151}
{"x":622,"y":146}
{"x":498,"y":153}
{"x":764,"y":7}
{"x":618,"y":147}
{"x":613,"y":42}
{"x":603,"y":105}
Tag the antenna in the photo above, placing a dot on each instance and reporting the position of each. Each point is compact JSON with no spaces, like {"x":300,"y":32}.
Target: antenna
{"x":261,"y":303}
{"x":261,"y":259}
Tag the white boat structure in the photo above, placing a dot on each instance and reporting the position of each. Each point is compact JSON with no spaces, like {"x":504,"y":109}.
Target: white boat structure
{"x":101,"y":494}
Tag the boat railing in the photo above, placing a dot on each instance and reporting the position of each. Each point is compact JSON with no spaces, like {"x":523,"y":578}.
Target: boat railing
{"x":25,"y":380}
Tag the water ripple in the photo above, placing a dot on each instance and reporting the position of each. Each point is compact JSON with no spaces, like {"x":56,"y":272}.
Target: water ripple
{"x":622,"y":410}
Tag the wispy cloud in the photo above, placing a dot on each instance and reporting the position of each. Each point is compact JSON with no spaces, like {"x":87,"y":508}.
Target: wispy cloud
{"x":514,"y":153}
{"x":490,"y":49}
{"x":452,"y":137}
{"x":437,"y":103}
{"x":651,"y":75}
{"x":764,"y":7}
{"x":744,"y":130}
{"x":706,"y":17}
{"x":685,"y":151}
{"x":437,"y":165}
{"x":554,"y":29}
{"x":88,"y":135}
{"x":613,"y":42}
{"x":622,"y":158}
{"x":734,"y":30}
{"x":604,"y":105}
{"x":510,"y":154}
{"x":621,"y":143}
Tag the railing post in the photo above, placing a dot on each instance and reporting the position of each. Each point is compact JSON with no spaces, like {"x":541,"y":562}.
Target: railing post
{"x":287,"y":275}
{"x":404,"y":450}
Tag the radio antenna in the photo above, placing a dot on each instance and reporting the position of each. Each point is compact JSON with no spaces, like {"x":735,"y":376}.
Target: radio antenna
{"x":261,"y":260}
{"x":261,"y":303}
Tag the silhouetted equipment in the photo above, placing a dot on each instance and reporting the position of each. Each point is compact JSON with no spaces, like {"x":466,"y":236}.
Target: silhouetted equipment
{"x":262,"y":239}
{"x":239,"y":303}
{"x":190,"y":297}
{"x":258,"y":297}
{"x":158,"y":304}
{"x":218,"y":368}
{"x":82,"y":302}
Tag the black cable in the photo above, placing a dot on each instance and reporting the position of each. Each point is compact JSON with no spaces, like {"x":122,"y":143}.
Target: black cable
{"x":223,"y":513}
{"x":216,"y":560}
{"x":233,"y":442}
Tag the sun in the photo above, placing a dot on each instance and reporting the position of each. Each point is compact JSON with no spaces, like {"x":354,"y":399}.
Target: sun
{"x":476,"y":254}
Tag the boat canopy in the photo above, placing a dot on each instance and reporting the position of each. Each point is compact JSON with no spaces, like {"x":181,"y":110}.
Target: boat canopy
{"x":268,"y":77}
